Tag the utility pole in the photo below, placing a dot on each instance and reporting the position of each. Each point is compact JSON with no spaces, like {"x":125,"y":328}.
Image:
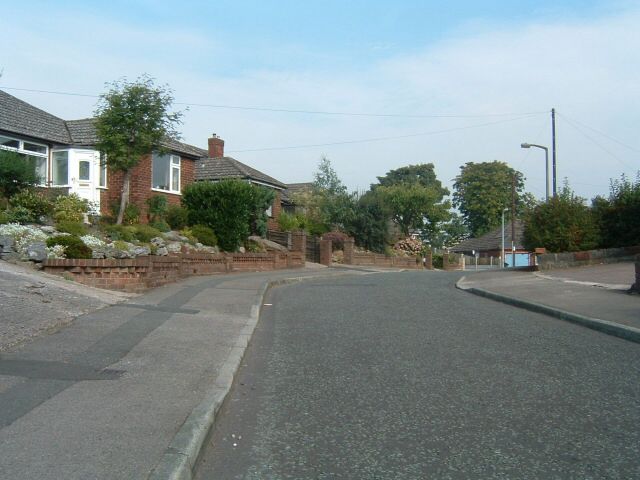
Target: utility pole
{"x":553,"y":148}
{"x":513,"y":220}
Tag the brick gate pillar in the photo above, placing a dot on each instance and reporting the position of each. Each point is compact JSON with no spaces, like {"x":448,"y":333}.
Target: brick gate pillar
{"x":348,"y":251}
{"x":325,"y":252}
{"x":299,"y":242}
{"x":428,"y":260}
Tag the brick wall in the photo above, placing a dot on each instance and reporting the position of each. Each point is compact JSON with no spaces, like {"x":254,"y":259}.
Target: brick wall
{"x":375,"y":259}
{"x":276,"y":208}
{"x":141,"y":273}
{"x":549,"y":261}
{"x":140,"y":188}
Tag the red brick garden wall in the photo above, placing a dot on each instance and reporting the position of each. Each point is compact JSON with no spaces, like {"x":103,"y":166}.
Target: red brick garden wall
{"x":141,"y":273}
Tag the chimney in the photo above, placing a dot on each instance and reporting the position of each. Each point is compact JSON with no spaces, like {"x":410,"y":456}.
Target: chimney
{"x":216,"y":146}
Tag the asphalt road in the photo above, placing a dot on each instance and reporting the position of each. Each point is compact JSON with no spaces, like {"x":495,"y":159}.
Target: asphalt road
{"x":400,"y":376}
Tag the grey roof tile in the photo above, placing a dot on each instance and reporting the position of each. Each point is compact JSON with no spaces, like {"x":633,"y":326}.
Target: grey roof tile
{"x":226,"y":167}
{"x":19,"y":117}
{"x":493,"y":240}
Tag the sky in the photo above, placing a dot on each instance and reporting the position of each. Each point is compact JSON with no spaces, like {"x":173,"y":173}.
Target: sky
{"x":371,"y":85}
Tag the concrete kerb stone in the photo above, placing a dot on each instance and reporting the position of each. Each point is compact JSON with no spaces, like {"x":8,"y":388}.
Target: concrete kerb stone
{"x":180,"y":458}
{"x":610,"y":328}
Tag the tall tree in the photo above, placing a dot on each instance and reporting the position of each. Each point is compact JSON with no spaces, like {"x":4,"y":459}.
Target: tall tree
{"x":483,"y":190}
{"x":330,"y":204}
{"x":414,"y":198}
{"x":563,"y":224}
{"x":619,"y":215}
{"x":132,"y":120}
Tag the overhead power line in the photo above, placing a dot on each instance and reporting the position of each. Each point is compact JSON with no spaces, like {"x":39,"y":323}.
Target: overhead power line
{"x":600,"y":133}
{"x":299,"y":111}
{"x":381,"y":139}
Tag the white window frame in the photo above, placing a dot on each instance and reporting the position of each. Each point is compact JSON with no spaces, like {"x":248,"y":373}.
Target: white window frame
{"x":102,"y":171}
{"x":53,"y":152}
{"x":175,"y":164}
{"x":21,"y":150}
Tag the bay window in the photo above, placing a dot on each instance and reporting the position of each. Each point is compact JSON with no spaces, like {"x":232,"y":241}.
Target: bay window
{"x":166,"y":172}
{"x":34,"y":153}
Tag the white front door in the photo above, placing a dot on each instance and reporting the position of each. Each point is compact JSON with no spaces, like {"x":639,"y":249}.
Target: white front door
{"x":84,"y":171}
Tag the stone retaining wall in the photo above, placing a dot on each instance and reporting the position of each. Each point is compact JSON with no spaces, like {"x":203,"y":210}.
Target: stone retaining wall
{"x":141,"y":273}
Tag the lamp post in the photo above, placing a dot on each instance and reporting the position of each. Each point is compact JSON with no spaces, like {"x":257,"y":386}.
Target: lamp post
{"x":502,"y":254}
{"x":546,"y":156}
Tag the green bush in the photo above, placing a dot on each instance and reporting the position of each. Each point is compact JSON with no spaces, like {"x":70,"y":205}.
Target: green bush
{"x":125,"y":233}
{"x":4,"y":217}
{"x":69,"y":208}
{"x":157,"y":208}
{"x":224,"y":206}
{"x":337,"y":239}
{"x":205,"y":235}
{"x":144,"y":233}
{"x":33,"y":201}
{"x":177,"y":217}
{"x":160,"y":225}
{"x":288,"y":222}
{"x":437,"y":261}
{"x":131,"y":212}
{"x":619,"y":216}
{"x":20,"y":215}
{"x":253,"y":247}
{"x":74,"y":247}
{"x":562,"y":224}
{"x":74,"y":228}
{"x":16,"y":173}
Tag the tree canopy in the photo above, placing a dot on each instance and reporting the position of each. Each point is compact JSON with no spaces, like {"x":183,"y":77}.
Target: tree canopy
{"x":132,"y":120}
{"x":483,"y":190}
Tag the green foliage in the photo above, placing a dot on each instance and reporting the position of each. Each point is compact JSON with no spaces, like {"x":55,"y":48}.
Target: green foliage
{"x":74,"y":228}
{"x":20,"y":215}
{"x":131,"y":214}
{"x":205,"y":235}
{"x":224,"y":206}
{"x":4,"y":217}
{"x":563,"y":224}
{"x":253,"y":247}
{"x":369,"y":226}
{"x":483,"y":190}
{"x":74,"y":247}
{"x":437,"y":261}
{"x":328,"y":206}
{"x":69,"y":208}
{"x":144,"y":233}
{"x":16,"y":173}
{"x":158,"y":206}
{"x":261,"y":199}
{"x":124,"y":233}
{"x":288,"y":222}
{"x":177,"y":217}
{"x":619,"y":216}
{"x":160,"y":225}
{"x":132,"y":120}
{"x":451,"y":233}
{"x":33,"y":201}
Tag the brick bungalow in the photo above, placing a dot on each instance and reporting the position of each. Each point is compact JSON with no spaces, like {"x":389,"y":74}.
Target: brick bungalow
{"x":63,"y":153}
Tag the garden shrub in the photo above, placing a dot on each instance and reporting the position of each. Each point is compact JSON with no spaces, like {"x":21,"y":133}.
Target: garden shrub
{"x":74,"y":228}
{"x":144,"y":233}
{"x":288,"y":222}
{"x":177,"y":217}
{"x":205,"y":235}
{"x":20,"y":215}
{"x":191,"y":238}
{"x":409,"y":246}
{"x":157,"y":208}
{"x":131,"y":212}
{"x":4,"y":218}
{"x":33,"y":201}
{"x":125,"y":233}
{"x":251,"y":246}
{"x":437,"y":261}
{"x":74,"y":247}
{"x":224,"y":206}
{"x":160,"y":225}
{"x":69,"y":208}
{"x":16,"y":173}
{"x":337,"y":239}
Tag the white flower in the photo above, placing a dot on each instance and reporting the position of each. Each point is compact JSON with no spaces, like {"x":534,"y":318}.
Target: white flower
{"x":57,"y":251}
{"x":91,"y":241}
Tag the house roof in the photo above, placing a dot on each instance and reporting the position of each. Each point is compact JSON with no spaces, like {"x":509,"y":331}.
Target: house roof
{"x":22,"y":118}
{"x":226,"y":167}
{"x":296,"y":189}
{"x":493,"y":240}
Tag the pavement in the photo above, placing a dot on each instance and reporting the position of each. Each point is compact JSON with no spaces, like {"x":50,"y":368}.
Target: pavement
{"x":594,"y":296}
{"x":128,"y":390}
{"x":130,"y":387}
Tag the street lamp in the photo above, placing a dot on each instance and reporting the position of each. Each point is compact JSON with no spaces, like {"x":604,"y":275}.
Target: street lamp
{"x":502,"y":256}
{"x":546,"y":156}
